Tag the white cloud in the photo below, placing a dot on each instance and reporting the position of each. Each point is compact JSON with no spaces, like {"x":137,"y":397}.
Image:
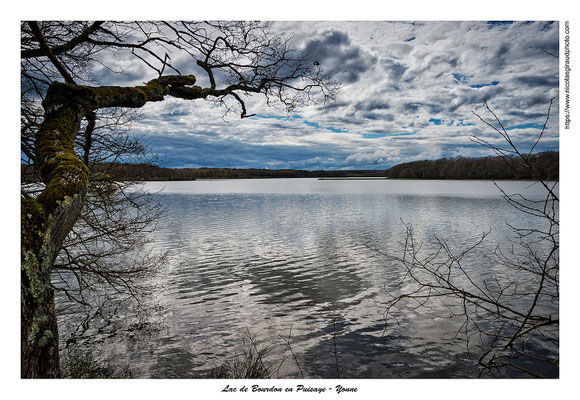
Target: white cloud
{"x":378,"y":156}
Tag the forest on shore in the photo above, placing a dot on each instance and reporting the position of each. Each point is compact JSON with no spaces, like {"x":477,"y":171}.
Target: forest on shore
{"x":147,"y":172}
{"x":546,"y":165}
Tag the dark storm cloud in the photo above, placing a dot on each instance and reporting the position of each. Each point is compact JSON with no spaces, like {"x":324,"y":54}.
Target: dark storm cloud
{"x":373,"y":105}
{"x":411,"y":107}
{"x":336,"y":106}
{"x":338,"y":57}
{"x":199,"y":150}
{"x":433,"y":108}
{"x":393,"y":68}
{"x":527,"y":102}
{"x":472,"y":96}
{"x":535,"y":81}
{"x":527,"y":115}
{"x":500,"y":57}
{"x":372,"y":116}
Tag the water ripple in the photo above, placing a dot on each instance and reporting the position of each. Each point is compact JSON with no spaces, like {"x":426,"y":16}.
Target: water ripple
{"x":275,"y":259}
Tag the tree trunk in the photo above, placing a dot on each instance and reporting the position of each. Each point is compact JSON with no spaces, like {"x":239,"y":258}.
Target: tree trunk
{"x":39,"y":333}
{"x":46,"y":221}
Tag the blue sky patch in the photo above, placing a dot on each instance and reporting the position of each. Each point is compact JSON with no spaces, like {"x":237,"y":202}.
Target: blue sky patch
{"x":460,"y":77}
{"x":533,"y":125}
{"x":494,"y":83}
{"x":328,"y":128}
{"x":380,"y":135}
{"x":461,"y":123}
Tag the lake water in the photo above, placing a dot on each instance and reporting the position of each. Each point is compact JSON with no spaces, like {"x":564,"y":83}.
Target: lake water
{"x":303,"y":261}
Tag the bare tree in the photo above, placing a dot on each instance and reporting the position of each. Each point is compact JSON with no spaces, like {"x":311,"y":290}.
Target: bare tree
{"x":237,"y":59}
{"x":508,"y":319}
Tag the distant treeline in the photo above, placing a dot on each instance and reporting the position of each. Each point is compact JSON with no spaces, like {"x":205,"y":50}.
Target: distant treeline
{"x":145,"y":172}
{"x":148,"y":172}
{"x":545,"y":164}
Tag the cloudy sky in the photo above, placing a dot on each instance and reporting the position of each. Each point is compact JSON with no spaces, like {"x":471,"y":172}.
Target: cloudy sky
{"x":408,"y":92}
